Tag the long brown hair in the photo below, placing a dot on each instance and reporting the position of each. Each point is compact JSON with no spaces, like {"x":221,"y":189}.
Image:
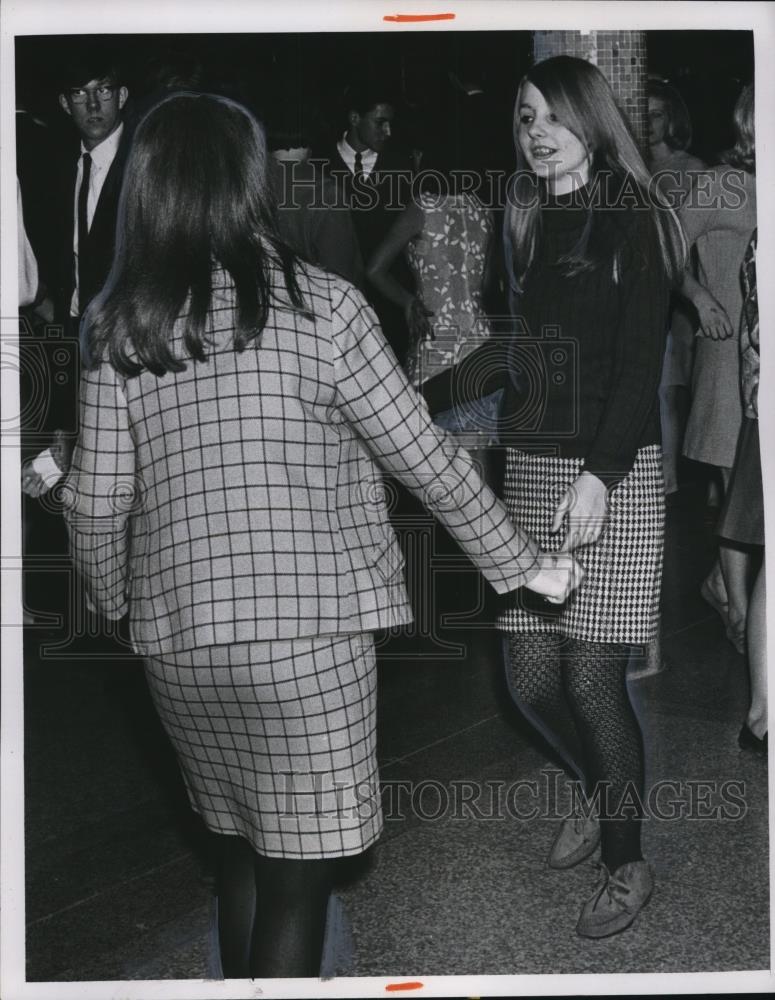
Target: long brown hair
{"x":678,"y":127}
{"x":195,"y":197}
{"x":582,"y":100}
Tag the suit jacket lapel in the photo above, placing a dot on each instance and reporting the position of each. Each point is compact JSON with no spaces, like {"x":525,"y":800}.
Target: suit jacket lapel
{"x":104,"y":221}
{"x":67,"y":205}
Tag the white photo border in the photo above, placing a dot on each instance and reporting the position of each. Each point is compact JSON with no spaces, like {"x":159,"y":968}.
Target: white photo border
{"x":76,"y":17}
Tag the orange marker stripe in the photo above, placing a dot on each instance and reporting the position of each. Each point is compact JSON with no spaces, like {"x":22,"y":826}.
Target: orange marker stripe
{"x":418,"y":17}
{"x":403,"y":986}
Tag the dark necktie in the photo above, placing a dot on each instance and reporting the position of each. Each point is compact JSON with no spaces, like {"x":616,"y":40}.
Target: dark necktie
{"x":83,"y":228}
{"x":358,"y":172}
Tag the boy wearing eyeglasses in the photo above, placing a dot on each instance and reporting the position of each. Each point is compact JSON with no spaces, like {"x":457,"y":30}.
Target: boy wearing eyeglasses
{"x":93,"y":98}
{"x":87,"y":190}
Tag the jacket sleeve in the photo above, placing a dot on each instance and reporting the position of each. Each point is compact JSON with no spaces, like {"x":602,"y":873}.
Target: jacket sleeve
{"x":373,"y":395}
{"x":644,"y":289}
{"x":101,"y":491}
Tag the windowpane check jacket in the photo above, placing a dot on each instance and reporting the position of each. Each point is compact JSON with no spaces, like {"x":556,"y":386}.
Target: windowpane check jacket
{"x":241,"y":499}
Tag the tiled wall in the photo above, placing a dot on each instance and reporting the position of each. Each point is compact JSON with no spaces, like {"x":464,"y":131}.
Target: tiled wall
{"x":621,"y":55}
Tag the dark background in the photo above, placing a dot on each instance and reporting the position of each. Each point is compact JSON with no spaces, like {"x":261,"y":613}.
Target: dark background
{"x":295,"y":81}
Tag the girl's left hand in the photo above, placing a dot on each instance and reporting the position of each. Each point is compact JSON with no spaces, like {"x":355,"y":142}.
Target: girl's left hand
{"x":586,"y":504}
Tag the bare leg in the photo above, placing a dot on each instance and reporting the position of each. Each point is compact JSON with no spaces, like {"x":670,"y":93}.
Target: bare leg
{"x":735,"y":568}
{"x":757,"y":657}
{"x":735,"y":571}
{"x":714,"y":581}
{"x":726,"y":587}
{"x":673,"y":420}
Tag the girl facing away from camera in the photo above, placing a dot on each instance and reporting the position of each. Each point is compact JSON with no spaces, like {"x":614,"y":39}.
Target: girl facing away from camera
{"x":590,"y":255}
{"x":225,"y":494}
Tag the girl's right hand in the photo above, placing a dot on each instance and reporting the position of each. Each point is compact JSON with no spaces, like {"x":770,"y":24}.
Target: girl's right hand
{"x":559,"y":574}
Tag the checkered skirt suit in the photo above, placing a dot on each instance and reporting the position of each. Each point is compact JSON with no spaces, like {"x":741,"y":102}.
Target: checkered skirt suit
{"x":236,"y":511}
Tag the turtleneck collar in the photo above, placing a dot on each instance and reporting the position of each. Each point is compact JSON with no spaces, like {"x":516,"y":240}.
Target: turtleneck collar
{"x":578,"y":198}
{"x":562,"y":213}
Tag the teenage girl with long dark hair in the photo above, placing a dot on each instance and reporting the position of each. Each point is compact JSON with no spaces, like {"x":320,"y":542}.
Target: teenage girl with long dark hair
{"x":224,"y":494}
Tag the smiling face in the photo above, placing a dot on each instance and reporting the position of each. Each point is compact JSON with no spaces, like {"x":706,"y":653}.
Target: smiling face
{"x":95,"y":109}
{"x":551,"y":149}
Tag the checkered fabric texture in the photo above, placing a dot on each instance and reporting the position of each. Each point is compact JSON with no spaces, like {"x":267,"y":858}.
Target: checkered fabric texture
{"x":240,"y":500}
{"x":619,"y":598}
{"x":277,"y":741}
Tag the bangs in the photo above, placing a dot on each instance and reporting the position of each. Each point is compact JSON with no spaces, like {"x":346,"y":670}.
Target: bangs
{"x":561,"y":101}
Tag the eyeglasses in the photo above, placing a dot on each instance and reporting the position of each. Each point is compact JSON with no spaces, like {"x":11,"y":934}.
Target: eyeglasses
{"x":80,"y":95}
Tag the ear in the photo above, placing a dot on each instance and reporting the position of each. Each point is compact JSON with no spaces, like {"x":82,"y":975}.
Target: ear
{"x":123,"y":93}
{"x":353,"y":117}
{"x":64,"y":105}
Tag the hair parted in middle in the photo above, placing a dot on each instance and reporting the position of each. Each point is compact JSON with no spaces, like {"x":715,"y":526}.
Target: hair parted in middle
{"x":678,"y":133}
{"x":195,"y":197}
{"x":582,"y":100}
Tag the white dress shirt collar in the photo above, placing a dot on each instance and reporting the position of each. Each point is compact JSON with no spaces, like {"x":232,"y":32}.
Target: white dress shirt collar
{"x":104,"y":153}
{"x":368,"y":156}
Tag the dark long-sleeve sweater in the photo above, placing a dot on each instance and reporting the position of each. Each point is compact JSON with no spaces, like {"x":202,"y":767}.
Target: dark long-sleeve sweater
{"x":581,"y":370}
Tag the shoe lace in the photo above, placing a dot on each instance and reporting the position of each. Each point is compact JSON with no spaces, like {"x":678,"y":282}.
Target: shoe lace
{"x":615,"y":883}
{"x":608,"y":885}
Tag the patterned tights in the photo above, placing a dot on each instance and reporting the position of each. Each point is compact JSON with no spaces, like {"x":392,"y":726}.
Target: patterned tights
{"x":575,"y":693}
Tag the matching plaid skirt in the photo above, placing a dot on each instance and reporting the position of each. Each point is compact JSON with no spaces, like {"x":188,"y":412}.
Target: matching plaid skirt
{"x":618,"y":602}
{"x":276,"y":740}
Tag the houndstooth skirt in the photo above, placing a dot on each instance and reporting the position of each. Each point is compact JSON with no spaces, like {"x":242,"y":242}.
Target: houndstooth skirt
{"x":618,"y":602}
{"x":277,"y":740}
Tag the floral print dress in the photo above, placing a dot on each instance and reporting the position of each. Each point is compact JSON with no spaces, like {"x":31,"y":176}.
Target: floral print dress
{"x":447,"y":260}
